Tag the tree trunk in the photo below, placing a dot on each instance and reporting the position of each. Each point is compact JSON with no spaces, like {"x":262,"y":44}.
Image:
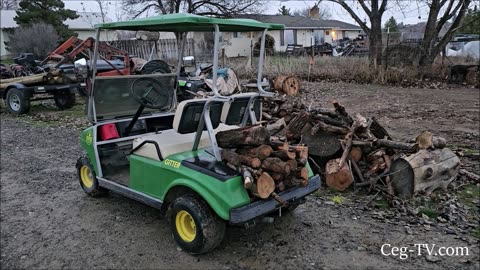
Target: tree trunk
{"x":375,"y":40}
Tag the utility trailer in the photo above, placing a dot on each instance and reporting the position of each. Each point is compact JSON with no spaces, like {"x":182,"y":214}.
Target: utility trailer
{"x":18,"y":95}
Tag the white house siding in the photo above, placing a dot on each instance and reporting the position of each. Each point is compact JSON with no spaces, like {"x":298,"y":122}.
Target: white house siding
{"x":104,"y":35}
{"x":3,"y":38}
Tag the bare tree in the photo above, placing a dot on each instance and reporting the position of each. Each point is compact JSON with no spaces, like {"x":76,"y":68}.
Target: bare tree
{"x":221,"y":8}
{"x":103,"y":7}
{"x":432,"y":44}
{"x":374,"y":10}
{"x":21,"y":40}
{"x":324,"y":14}
{"x":8,"y":4}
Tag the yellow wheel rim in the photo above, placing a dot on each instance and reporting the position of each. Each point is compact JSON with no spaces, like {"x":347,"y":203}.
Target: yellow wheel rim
{"x":185,"y":226}
{"x":86,"y":176}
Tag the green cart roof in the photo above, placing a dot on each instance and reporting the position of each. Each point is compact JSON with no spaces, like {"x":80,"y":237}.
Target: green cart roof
{"x":181,"y":22}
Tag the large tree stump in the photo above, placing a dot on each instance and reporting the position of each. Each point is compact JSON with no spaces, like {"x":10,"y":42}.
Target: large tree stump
{"x":246,"y":136}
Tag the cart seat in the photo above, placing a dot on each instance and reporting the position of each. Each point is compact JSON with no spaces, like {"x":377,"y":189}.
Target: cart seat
{"x":234,"y":111}
{"x":181,"y":137}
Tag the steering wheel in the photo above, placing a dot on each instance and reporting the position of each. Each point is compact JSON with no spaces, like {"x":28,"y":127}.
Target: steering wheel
{"x":150,"y":93}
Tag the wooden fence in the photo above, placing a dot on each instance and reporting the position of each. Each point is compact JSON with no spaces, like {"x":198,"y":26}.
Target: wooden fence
{"x":164,"y":49}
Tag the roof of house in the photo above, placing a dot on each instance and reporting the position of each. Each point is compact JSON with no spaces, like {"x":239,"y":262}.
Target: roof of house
{"x":85,"y":21}
{"x":301,"y":22}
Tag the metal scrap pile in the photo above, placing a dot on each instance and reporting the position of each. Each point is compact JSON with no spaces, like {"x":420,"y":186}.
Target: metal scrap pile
{"x":355,"y":149}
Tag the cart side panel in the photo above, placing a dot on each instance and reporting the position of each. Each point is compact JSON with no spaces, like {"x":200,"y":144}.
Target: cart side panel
{"x":156,"y":178}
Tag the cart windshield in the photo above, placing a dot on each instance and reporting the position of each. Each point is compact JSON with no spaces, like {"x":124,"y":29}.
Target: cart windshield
{"x":113,"y":95}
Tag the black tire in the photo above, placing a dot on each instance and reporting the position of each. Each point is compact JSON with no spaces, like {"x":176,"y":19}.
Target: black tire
{"x":90,"y":186}
{"x":156,"y":67}
{"x":208,"y":230}
{"x":17,"y":102}
{"x":64,"y":99}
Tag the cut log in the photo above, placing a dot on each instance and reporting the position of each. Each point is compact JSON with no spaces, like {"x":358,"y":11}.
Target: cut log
{"x":301,"y":173}
{"x":295,"y":127}
{"x":246,"y":136}
{"x":294,"y":181}
{"x":329,"y":128}
{"x":264,"y":186}
{"x":388,"y":164}
{"x":30,"y":80}
{"x":276,"y":165}
{"x":247,"y":178}
{"x":329,"y":120}
{"x":342,"y":112}
{"x":279,"y":145}
{"x":231,"y":157}
{"x":300,"y":150}
{"x":378,"y":131}
{"x":277,"y":177}
{"x":250,"y":161}
{"x":293,"y":164}
{"x":284,"y":155}
{"x":336,"y":177}
{"x":412,"y":173}
{"x":470,"y":175}
{"x":280,"y":186}
{"x":394,"y":145}
{"x":356,"y":153}
{"x":277,"y":126}
{"x":439,"y":142}
{"x":424,"y":140}
{"x":261,"y":152}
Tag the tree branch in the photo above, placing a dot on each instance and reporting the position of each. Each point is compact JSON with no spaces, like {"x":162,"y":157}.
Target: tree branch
{"x":383,"y":6}
{"x":365,"y":8}
{"x":353,"y":14}
{"x":454,"y":27}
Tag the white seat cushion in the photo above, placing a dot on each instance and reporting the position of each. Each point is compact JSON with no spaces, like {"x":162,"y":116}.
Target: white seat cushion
{"x":171,"y":142}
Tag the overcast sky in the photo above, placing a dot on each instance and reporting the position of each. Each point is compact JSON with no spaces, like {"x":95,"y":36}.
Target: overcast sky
{"x":410,"y":11}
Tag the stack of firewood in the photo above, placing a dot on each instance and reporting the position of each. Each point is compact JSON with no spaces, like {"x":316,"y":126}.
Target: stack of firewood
{"x":267,"y":164}
{"x":357,"y":149}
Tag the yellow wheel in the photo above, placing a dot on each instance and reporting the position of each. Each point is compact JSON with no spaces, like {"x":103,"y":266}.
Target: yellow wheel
{"x":185,"y":226}
{"x":195,"y":226}
{"x":86,"y":176}
{"x":88,"y":181}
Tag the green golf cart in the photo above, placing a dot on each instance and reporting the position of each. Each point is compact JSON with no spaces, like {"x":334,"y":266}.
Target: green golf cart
{"x":145,"y":146}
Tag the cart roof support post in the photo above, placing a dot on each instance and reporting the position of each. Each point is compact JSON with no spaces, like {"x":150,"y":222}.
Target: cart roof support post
{"x":91,"y":109}
{"x":181,"y":50}
{"x":216,"y":44}
{"x":260,"y":66}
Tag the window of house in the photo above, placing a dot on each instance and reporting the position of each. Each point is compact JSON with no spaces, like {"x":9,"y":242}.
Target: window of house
{"x":288,"y":37}
{"x":327,"y":33}
{"x":235,"y":34}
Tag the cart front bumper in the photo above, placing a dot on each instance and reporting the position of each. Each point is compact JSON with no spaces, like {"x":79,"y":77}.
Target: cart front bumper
{"x":259,"y":208}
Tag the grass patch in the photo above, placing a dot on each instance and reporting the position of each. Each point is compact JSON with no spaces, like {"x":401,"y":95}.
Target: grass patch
{"x":476,"y":232}
{"x":382,"y":203}
{"x":429,"y":212}
{"x":470,"y":195}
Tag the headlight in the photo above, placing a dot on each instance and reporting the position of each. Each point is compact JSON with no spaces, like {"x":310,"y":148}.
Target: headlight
{"x":189,"y":85}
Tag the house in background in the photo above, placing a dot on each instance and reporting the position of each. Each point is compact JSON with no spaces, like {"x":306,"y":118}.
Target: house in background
{"x":83,"y":26}
{"x":305,"y":31}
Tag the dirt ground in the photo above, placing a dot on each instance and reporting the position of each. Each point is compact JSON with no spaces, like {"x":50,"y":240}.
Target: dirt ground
{"x":48,"y":222}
